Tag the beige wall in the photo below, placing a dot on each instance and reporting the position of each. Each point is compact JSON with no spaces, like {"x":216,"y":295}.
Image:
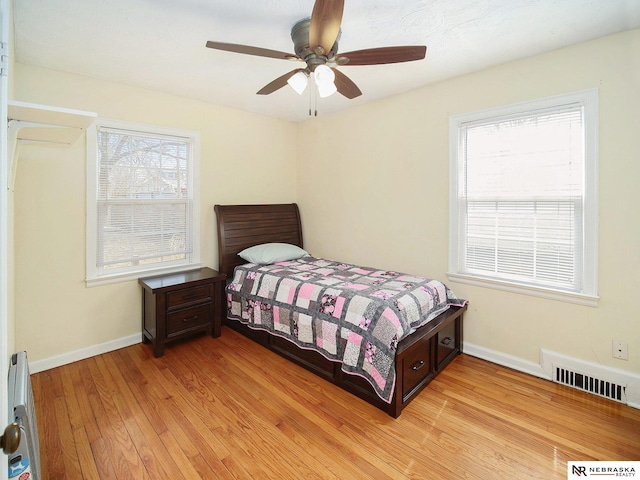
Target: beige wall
{"x":373,"y":189}
{"x":11,"y":318}
{"x":244,"y":158}
{"x":372,"y":184}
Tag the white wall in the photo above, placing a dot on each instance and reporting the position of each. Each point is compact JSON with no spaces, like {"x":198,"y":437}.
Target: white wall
{"x":244,"y":158}
{"x":373,"y":189}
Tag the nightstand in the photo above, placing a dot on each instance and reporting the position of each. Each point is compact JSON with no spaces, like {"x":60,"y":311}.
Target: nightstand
{"x":177,"y":305}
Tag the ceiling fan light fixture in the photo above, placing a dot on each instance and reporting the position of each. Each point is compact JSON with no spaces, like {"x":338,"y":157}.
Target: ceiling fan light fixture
{"x":299,"y":82}
{"x":323,"y":75}
{"x":325,"y":78}
{"x":326,"y":89}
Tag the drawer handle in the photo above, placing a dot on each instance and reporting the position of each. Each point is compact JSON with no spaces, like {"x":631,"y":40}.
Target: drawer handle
{"x":190,"y":296}
{"x":446,"y":341}
{"x":190,"y":319}
{"x":417,"y":366}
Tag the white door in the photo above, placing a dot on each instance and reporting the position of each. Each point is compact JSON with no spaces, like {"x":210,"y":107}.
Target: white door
{"x":4,"y":231}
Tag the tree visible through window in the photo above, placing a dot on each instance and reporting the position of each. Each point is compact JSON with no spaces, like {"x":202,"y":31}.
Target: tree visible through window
{"x":144,"y":200}
{"x":523,"y":196}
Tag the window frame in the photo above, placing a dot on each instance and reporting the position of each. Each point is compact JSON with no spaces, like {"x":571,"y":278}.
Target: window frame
{"x":588,"y":294}
{"x":94,"y":274}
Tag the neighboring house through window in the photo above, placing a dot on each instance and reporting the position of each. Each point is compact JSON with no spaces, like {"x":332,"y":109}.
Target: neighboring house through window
{"x":143,"y":201}
{"x":523,"y":200}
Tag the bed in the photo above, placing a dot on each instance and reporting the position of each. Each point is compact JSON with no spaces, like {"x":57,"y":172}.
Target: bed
{"x":346,"y":338}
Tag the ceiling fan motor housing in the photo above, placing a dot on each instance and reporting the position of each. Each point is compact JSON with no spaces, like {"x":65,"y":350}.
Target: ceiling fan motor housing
{"x":300,"y":37}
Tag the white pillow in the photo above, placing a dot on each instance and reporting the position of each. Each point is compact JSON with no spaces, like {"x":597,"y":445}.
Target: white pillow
{"x":272,"y":252}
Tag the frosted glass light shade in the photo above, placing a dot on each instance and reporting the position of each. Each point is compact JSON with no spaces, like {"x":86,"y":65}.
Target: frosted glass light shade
{"x":326,"y":89}
{"x":323,"y":74}
{"x":298,"y":82}
{"x":324,"y":78}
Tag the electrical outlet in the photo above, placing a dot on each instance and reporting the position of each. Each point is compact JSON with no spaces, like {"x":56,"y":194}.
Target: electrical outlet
{"x":620,"y":350}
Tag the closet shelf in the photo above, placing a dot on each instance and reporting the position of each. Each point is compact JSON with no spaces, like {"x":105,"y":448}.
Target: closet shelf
{"x":42,"y":125}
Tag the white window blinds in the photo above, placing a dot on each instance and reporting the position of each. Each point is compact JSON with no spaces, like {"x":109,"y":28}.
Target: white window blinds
{"x":144,"y":196}
{"x":520,"y":198}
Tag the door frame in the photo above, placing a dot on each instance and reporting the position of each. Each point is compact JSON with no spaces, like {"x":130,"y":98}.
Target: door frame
{"x":5,"y":14}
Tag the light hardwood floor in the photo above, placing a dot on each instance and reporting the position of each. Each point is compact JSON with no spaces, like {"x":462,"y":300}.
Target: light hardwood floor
{"x":214,"y":408}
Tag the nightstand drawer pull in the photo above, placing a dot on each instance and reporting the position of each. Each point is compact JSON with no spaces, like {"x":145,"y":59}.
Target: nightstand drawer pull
{"x":190,"y":319}
{"x":417,"y":366}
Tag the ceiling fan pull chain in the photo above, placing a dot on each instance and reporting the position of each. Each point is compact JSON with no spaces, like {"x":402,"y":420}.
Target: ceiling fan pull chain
{"x":315,"y":99}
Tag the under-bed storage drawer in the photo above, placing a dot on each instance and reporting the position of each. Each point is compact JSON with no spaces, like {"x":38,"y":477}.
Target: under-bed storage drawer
{"x":416,"y":365}
{"x":447,"y":344}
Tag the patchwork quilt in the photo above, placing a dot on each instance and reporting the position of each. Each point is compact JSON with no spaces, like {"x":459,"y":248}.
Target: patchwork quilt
{"x":355,"y":315}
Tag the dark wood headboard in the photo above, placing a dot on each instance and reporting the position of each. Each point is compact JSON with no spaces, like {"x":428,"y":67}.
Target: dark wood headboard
{"x":243,"y":226}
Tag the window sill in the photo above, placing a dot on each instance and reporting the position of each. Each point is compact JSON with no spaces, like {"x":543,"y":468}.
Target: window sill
{"x":570,"y":297}
{"x":129,"y":276}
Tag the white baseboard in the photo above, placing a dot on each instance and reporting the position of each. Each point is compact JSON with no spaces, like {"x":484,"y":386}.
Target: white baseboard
{"x":543,"y":370}
{"x":505,"y":360}
{"x":92,"y":351}
{"x":493,"y":356}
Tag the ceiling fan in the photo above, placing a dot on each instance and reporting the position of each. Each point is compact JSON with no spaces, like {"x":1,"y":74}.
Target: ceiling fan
{"x":315,"y":42}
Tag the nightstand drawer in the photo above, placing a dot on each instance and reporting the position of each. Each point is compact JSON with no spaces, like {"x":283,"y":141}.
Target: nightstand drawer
{"x":417,"y":365}
{"x":178,"y":298}
{"x":189,"y":318}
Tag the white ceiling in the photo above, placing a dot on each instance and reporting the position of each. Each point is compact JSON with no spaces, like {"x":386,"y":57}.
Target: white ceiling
{"x":160,"y":44}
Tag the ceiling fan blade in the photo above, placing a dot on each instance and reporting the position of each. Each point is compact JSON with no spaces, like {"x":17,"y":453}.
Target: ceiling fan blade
{"x":325,"y":24}
{"x":382,"y":55}
{"x":247,"y":50}
{"x":345,"y":85}
{"x":278,"y":83}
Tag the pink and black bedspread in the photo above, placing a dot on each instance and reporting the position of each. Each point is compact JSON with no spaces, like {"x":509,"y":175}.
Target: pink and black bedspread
{"x":351,"y":314}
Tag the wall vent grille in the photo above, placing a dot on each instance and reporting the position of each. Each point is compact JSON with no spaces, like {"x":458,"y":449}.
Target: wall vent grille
{"x":590,"y":384}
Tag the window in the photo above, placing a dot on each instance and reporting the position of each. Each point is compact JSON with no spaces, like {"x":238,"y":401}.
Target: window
{"x":142,"y":212}
{"x":523,"y":198}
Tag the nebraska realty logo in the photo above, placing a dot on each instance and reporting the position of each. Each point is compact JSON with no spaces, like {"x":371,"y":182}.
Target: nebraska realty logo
{"x":602,"y":469}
